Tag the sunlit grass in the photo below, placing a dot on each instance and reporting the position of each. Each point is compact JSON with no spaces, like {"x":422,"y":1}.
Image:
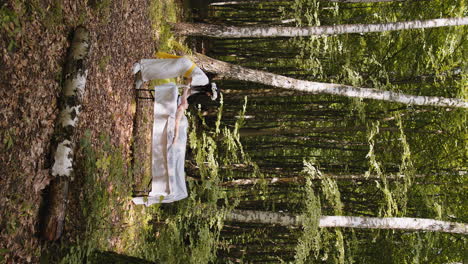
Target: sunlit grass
{"x":161,"y":13}
{"x":187,"y":231}
{"x":100,"y":203}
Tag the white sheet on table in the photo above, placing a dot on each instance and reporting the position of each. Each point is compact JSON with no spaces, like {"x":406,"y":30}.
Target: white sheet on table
{"x":168,"y":175}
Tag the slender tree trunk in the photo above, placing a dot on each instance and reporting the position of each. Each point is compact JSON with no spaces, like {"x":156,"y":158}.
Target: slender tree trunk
{"x":243,"y":2}
{"x":253,"y":2}
{"x":235,"y":72}
{"x":365,"y":1}
{"x":402,"y":223}
{"x":301,"y":179}
{"x":220,"y":31}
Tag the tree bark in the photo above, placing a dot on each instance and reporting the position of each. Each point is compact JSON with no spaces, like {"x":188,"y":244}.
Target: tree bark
{"x":253,"y":2}
{"x":264,"y":217}
{"x":235,"y":72}
{"x":364,"y":1}
{"x":401,"y":223}
{"x":70,"y":106}
{"x":242,"y":2}
{"x":301,"y":179}
{"x":221,"y":31}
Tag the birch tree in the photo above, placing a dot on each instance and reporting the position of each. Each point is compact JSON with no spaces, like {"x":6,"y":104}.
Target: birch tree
{"x":364,"y":1}
{"x":302,"y":179}
{"x":221,"y":31}
{"x":401,"y":223}
{"x":235,"y":72}
{"x":75,"y":73}
{"x":253,"y":2}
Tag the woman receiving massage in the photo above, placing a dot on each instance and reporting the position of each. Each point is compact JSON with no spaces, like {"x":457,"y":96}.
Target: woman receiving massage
{"x":170,"y":124}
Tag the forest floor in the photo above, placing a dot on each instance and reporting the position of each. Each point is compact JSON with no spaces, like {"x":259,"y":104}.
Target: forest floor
{"x":35,"y":36}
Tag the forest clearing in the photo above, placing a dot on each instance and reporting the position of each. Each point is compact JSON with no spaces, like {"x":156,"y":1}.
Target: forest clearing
{"x":341,"y":134}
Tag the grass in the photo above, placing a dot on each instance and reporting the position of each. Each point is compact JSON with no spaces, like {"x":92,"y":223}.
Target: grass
{"x":103,"y":62}
{"x":101,"y":213}
{"x":161,"y":13}
{"x":189,"y":231}
{"x":10,"y":24}
{"x":184,"y":232}
{"x":8,"y":138}
{"x":102,"y":8}
{"x":105,"y":189}
{"x":54,"y":16}
{"x":3,"y":252}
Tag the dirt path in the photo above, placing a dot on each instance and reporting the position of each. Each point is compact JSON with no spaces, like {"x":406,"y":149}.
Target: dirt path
{"x":33,"y":44}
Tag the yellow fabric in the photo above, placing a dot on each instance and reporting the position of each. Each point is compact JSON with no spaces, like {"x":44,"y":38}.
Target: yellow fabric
{"x":164,"y":55}
{"x":189,"y":72}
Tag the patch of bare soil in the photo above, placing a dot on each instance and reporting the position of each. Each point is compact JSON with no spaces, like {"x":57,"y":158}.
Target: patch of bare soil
{"x":32,"y":56}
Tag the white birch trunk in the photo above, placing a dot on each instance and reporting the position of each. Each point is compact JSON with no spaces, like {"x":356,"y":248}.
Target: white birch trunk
{"x":70,"y":106}
{"x":263,"y":217}
{"x":235,"y":3}
{"x":253,"y":2}
{"x":401,"y":223}
{"x":234,"y":72}
{"x":301,"y":179}
{"x":365,"y":1}
{"x":220,"y":31}
{"x":358,"y":177}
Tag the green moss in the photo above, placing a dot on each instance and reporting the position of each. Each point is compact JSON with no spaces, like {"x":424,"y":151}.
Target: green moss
{"x":103,"y":62}
{"x":10,"y":24}
{"x":102,"y":8}
{"x":106,"y":187}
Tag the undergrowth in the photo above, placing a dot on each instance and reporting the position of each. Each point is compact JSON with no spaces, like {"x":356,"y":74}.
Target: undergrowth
{"x":103,"y":183}
{"x":187,"y":231}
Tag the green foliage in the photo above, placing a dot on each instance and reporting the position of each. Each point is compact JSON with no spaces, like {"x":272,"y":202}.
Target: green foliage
{"x":190,"y":229}
{"x":411,"y":247}
{"x":407,"y":160}
{"x":231,"y":139}
{"x":309,"y":244}
{"x":103,"y":62}
{"x":54,"y":15}
{"x":8,"y":138}
{"x":329,"y":186}
{"x":3,"y":252}
{"x":100,"y":168}
{"x":162,"y":12}
{"x":391,"y":207}
{"x":329,"y":246}
{"x":10,"y":25}
{"x":102,"y":9}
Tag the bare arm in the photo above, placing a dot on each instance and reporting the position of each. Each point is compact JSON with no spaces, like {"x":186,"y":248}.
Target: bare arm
{"x":180,"y":112}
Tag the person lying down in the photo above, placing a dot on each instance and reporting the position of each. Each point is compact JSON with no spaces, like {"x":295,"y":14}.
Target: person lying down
{"x":170,"y":124}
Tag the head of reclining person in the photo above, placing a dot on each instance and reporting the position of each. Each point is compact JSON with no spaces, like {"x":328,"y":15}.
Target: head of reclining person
{"x":205,"y":96}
